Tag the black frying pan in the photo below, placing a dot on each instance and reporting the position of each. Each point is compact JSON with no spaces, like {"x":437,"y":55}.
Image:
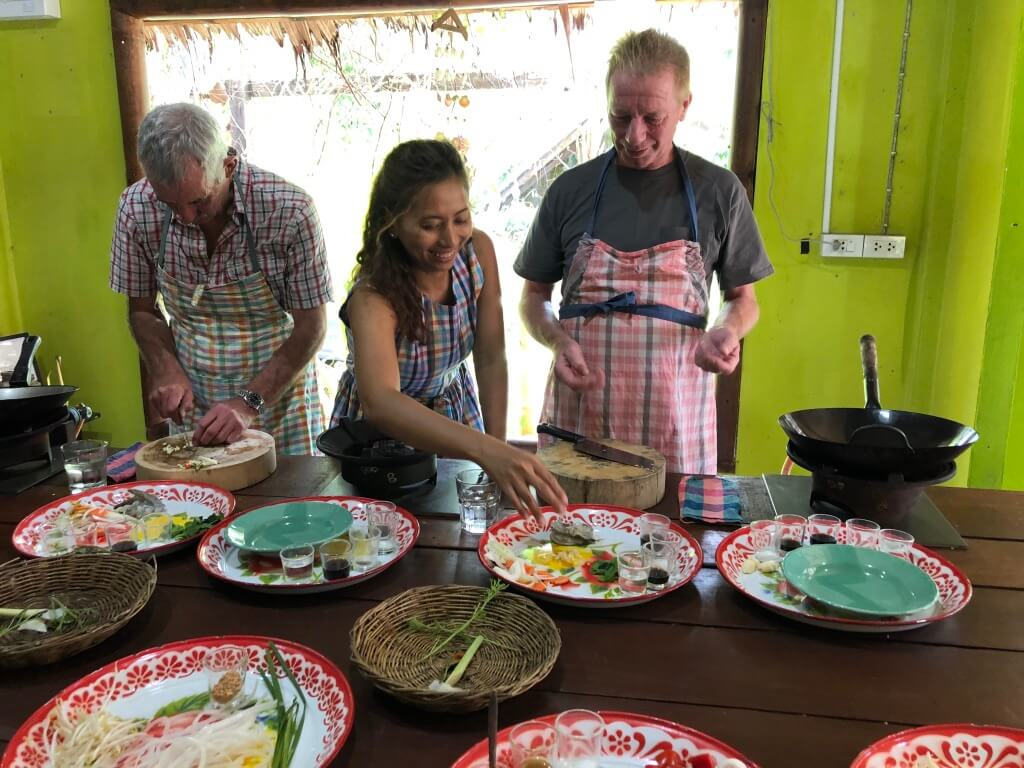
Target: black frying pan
{"x":873,"y":438}
{"x":25,"y":406}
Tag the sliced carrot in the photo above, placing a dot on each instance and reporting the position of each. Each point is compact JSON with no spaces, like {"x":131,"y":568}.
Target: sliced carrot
{"x":539,"y":586}
{"x":557,"y":582}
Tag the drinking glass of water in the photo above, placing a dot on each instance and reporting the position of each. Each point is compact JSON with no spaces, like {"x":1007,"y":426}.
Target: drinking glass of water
{"x":85,"y":462}
{"x":384,"y":515}
{"x":579,"y":737}
{"x":479,"y":499}
{"x":634,"y":570}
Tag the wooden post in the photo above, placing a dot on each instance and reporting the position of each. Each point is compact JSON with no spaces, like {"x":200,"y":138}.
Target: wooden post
{"x":132,"y":91}
{"x":746,"y":119}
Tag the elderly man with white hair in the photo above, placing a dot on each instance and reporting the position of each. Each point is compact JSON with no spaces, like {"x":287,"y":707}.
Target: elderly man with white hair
{"x":236,"y":255}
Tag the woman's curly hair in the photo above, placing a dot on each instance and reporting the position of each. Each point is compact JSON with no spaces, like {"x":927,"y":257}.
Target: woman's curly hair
{"x":382,"y":264}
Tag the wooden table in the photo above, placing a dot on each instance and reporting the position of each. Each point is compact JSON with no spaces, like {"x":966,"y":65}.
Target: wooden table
{"x":784,"y":694}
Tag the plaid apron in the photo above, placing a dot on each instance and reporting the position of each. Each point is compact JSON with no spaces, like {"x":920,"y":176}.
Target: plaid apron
{"x":224,"y":335}
{"x":639,"y":316}
{"x":433,"y":373}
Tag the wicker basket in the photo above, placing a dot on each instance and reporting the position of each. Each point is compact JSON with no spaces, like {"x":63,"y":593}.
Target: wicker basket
{"x":114,"y":586}
{"x":387,"y":651}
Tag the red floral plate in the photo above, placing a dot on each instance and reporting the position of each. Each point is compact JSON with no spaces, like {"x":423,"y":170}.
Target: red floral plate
{"x":181,"y":500}
{"x":615,"y":527}
{"x":633,"y":741}
{"x":774,"y":592}
{"x":958,"y":745}
{"x":261,"y":573}
{"x":139,"y":685}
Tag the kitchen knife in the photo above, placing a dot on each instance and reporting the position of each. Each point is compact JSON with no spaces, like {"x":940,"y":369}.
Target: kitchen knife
{"x":593,"y":448}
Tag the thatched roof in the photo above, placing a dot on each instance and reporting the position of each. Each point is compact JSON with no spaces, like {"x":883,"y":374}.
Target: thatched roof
{"x":307,"y":33}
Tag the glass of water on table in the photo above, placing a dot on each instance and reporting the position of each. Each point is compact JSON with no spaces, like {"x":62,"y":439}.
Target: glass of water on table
{"x":85,"y":462}
{"x":479,"y":500}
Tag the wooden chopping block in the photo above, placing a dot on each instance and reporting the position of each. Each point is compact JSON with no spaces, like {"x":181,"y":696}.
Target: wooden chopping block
{"x":587,"y":480}
{"x":245,"y":462}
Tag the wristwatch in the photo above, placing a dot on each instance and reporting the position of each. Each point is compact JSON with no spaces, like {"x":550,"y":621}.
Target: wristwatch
{"x":252,"y":399}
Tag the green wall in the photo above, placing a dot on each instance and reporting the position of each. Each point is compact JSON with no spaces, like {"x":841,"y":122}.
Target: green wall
{"x":999,"y":457}
{"x":62,"y":168}
{"x":928,"y":311}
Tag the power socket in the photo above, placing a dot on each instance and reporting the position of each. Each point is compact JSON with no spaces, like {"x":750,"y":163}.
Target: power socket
{"x":884,"y":247}
{"x":845,"y":246}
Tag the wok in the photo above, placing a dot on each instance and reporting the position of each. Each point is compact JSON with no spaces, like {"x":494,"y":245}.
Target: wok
{"x":875,"y":439}
{"x":27,"y":406}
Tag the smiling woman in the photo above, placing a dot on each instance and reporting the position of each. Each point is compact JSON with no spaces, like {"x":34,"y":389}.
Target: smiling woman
{"x":425,"y":297}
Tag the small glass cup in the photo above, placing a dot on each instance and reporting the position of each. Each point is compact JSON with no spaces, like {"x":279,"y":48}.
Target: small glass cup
{"x":335,"y":559}
{"x":86,"y":533}
{"x":762,"y":539}
{"x":384,"y":515}
{"x":789,"y":532}
{"x":58,"y":540}
{"x":85,"y":462}
{"x":365,"y":540}
{"x":533,"y":744}
{"x":156,"y":528}
{"x":652,"y":522}
{"x":297,"y":563}
{"x":823,"y":529}
{"x":122,"y":536}
{"x":479,"y":500}
{"x":895,"y":542}
{"x":634,"y":570}
{"x":226,"y":668}
{"x":579,"y":735}
{"x":862,"y":533}
{"x":662,"y":560}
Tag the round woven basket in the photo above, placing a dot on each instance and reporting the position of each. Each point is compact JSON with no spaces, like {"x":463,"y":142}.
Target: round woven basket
{"x":389,"y":652}
{"x":111,"y":587}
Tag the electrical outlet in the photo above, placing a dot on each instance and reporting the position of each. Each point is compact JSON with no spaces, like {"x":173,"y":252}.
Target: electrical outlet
{"x":846,"y":246}
{"x":884,"y":247}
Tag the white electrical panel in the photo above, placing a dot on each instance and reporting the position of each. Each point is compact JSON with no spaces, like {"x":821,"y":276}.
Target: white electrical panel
{"x":884,"y":246}
{"x":23,"y":10}
{"x":843,"y":246}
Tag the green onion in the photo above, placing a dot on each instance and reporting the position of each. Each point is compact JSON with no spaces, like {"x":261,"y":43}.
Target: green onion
{"x":289,"y":718}
{"x":439,"y":645}
{"x":457,"y":673}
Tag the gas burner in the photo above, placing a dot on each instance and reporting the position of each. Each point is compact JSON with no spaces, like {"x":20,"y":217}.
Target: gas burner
{"x":888,"y":499}
{"x":388,"y":449}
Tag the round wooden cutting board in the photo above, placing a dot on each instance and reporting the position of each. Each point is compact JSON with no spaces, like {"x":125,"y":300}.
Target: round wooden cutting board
{"x":587,"y":480}
{"x":245,"y":462}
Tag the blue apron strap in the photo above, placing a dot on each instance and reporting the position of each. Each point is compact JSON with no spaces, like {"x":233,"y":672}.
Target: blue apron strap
{"x":609,"y":158}
{"x":165,"y":226}
{"x":691,"y":198}
{"x":626,"y":303}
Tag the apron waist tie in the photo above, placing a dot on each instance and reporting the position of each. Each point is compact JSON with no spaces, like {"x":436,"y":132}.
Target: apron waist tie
{"x":626,"y":303}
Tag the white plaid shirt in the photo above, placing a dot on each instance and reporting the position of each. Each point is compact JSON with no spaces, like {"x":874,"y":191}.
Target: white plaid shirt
{"x":289,"y":244}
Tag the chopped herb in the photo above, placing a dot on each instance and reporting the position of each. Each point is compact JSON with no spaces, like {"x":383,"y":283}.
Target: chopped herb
{"x":605,"y":570}
{"x":194,"y":526}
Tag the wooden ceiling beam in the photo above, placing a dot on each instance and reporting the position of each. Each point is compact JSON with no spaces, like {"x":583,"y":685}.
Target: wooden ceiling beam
{"x":183,"y":9}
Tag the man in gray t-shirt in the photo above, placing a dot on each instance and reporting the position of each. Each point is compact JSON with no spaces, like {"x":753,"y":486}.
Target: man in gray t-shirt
{"x":634,"y":237}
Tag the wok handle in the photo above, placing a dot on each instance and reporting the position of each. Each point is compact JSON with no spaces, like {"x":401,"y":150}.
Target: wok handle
{"x":869,"y":359}
{"x":562,"y":434}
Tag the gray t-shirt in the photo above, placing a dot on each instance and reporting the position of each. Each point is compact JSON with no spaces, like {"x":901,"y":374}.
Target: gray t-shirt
{"x":641,"y":209}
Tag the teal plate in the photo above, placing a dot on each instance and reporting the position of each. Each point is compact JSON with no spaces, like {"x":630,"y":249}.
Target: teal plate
{"x":859,"y":581}
{"x":288,"y":524}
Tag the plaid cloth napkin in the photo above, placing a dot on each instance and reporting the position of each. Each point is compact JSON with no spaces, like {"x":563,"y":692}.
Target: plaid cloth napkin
{"x":713,"y":500}
{"x":121,"y":466}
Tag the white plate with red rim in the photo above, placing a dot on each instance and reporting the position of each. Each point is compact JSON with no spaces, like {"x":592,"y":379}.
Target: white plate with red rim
{"x":616,"y":528}
{"x":775,"y":594}
{"x":956,"y":745}
{"x":631,"y":741}
{"x":139,"y":685}
{"x":194,"y":500}
{"x":262,"y":573}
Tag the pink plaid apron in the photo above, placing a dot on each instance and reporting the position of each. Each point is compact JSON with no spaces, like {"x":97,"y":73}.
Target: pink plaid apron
{"x":639,"y":316}
{"x":224,"y":335}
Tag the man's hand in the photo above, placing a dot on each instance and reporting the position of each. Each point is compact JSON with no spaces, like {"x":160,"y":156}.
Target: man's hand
{"x":224,"y":422}
{"x":572,"y":370}
{"x":171,"y":396}
{"x":718,"y":350}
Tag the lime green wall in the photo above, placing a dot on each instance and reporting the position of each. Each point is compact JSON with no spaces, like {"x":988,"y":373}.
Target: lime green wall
{"x":953,"y":136}
{"x":63,"y":168}
{"x":10,"y":312}
{"x":999,"y":456}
